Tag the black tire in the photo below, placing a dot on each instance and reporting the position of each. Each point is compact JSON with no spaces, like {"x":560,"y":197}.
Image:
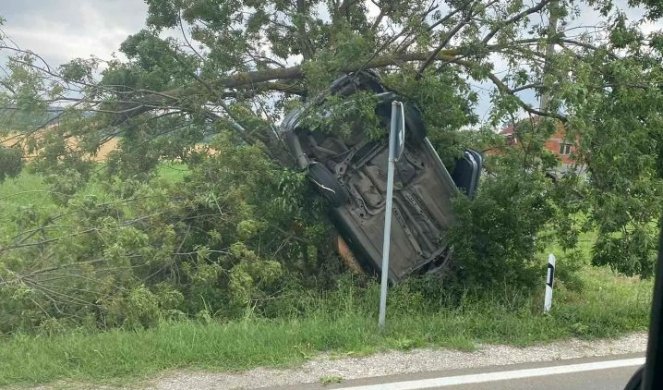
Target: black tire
{"x":415,"y":125}
{"x":327,"y":184}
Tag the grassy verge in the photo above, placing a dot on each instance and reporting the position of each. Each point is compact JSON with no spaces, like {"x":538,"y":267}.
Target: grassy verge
{"x":29,"y":191}
{"x":342,"y":323}
{"x":25,"y":189}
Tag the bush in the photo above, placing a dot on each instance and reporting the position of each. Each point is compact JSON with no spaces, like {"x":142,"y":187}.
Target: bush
{"x":497,"y":235}
{"x":127,"y":252}
{"x":11,"y":162}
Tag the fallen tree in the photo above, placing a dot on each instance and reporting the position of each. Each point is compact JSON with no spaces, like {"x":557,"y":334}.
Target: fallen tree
{"x":220,"y":241}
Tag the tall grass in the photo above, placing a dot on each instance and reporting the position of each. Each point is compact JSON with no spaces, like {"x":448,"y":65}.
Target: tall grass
{"x":25,"y":189}
{"x":300,"y":324}
{"x":29,"y":191}
{"x":342,"y":322}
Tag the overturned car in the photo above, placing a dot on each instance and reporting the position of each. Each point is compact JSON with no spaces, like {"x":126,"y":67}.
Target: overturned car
{"x":351,"y":173}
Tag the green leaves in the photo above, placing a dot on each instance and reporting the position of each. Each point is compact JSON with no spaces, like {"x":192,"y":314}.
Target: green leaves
{"x":78,"y":70}
{"x":11,"y":162}
{"x":620,"y":133}
{"x":632,"y":252}
{"x":622,"y":35}
{"x":347,"y":117}
{"x":205,"y":84}
{"x":498,"y":234}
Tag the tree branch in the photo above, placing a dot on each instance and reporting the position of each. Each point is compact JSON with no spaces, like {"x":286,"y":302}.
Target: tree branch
{"x":538,"y":7}
{"x":253,"y":78}
{"x":447,"y":38}
{"x":503,"y":88}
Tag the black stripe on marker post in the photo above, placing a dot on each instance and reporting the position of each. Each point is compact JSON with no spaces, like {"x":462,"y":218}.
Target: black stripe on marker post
{"x":551,"y":275}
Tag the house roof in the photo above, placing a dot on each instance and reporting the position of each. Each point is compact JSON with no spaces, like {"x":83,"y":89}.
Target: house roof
{"x":508,"y":130}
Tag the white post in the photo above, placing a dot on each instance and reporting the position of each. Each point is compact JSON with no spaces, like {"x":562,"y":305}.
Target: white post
{"x":550,"y":279}
{"x":386,"y":241}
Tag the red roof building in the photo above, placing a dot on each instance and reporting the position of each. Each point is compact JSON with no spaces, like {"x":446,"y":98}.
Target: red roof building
{"x":558,"y":144}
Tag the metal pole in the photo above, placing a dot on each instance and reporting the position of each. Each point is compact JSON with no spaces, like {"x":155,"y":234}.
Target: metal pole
{"x":386,"y":242}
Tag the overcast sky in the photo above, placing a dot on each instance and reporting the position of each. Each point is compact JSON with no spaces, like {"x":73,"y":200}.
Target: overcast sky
{"x":60,"y":30}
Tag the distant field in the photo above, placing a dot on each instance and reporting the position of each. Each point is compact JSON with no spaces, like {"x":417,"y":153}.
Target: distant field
{"x":29,"y":190}
{"x":101,"y":154}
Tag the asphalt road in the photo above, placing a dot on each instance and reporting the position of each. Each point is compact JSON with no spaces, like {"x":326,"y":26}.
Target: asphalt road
{"x":587,"y":374}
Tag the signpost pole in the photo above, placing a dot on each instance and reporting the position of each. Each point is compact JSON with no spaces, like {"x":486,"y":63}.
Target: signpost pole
{"x":396,"y":141}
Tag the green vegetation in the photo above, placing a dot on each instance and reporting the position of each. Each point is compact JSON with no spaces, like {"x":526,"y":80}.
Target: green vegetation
{"x":299,"y":322}
{"x":26,"y":189}
{"x":198,"y":238}
{"x":342,"y":322}
{"x":329,"y":379}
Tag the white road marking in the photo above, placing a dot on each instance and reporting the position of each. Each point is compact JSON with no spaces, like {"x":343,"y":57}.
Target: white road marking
{"x":500,"y":375}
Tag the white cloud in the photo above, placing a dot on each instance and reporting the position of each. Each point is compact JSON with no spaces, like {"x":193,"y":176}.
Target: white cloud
{"x":57,"y":45}
{"x":72,"y":28}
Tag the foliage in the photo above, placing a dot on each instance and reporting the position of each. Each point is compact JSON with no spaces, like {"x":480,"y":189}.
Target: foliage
{"x":498,"y":234}
{"x":222,"y":242}
{"x":621,"y":129}
{"x":205,"y":83}
{"x":11,"y":162}
{"x":342,"y":322}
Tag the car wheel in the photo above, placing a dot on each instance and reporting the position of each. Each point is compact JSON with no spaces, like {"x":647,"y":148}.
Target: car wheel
{"x":327,"y":184}
{"x":415,"y":125}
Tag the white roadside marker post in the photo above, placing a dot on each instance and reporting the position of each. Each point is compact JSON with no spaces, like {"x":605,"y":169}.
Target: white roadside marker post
{"x":396,"y":146}
{"x":550,"y":278}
